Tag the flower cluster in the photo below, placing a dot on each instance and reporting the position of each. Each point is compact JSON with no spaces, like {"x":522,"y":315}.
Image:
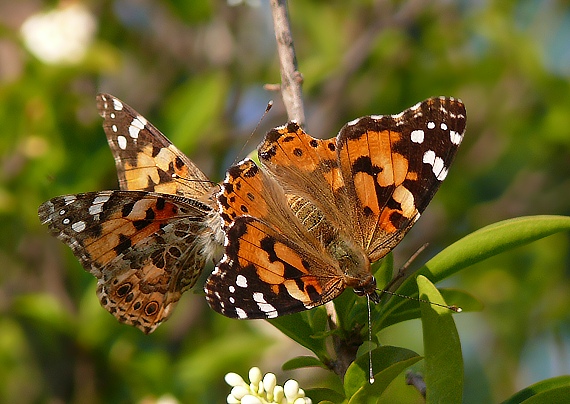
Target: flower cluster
{"x":264,"y":390}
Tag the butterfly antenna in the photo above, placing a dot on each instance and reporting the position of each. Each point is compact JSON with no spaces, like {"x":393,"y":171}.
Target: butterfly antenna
{"x":452,"y":307}
{"x":370,"y":371}
{"x":267,"y":108}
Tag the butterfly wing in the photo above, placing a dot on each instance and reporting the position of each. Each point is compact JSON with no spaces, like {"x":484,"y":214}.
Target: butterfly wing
{"x":145,"y":249}
{"x":393,"y":165}
{"x":146,"y":160}
{"x":272,"y":264}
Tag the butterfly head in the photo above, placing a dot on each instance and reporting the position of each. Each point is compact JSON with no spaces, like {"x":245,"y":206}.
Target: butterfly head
{"x":368,"y":288}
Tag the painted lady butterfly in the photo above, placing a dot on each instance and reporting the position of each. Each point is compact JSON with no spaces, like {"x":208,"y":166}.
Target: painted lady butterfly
{"x":307,"y":225}
{"x":148,"y":242}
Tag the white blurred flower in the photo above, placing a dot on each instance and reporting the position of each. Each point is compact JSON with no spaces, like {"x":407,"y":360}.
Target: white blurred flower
{"x":263,"y":390}
{"x":61,"y":35}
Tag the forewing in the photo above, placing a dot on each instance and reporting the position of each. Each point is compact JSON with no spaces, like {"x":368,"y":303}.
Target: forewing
{"x":145,"y":249}
{"x":146,"y":160}
{"x":393,"y":165}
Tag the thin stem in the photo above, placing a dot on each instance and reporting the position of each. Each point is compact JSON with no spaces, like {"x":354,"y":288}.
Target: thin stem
{"x":291,"y":79}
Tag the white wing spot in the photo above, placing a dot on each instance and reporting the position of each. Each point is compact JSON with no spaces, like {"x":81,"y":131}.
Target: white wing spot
{"x":240,"y":313}
{"x":232,"y":300}
{"x":66,"y":221}
{"x":431,"y":125}
{"x":353,"y":122}
{"x":69,"y":199}
{"x":62,"y":212}
{"x":455,"y":137}
{"x":429,"y":157}
{"x":241,"y":281}
{"x":417,"y":136}
{"x":443,"y":126}
{"x":122,"y":141}
{"x":136,"y":126}
{"x":441,"y":176}
{"x":114,"y":128}
{"x":232,"y":289}
{"x":264,"y":306}
{"x":437,"y":164}
{"x":96,"y":208}
{"x":101,"y":199}
{"x":79,"y":226}
{"x":112,"y":115}
{"x":118,"y":105}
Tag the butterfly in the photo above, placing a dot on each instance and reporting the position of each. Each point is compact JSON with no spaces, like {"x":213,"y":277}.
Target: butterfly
{"x":308,"y":222}
{"x":148,"y":242}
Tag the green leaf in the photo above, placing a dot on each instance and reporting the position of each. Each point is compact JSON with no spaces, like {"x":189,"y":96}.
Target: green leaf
{"x":325,"y":396}
{"x":344,"y":305}
{"x":538,"y":390}
{"x":559,"y":395}
{"x":383,"y":269}
{"x":395,"y":361}
{"x":480,"y":245}
{"x":303,"y":362}
{"x":296,"y":327}
{"x":387,"y":363}
{"x":444,"y":362}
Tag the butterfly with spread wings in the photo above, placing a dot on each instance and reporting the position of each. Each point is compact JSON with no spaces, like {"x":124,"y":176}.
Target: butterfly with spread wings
{"x":148,"y":242}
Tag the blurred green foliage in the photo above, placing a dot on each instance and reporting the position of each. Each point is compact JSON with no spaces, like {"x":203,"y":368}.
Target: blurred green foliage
{"x":196,"y":70}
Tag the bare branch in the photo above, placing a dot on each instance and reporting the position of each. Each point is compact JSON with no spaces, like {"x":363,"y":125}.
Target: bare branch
{"x":291,"y":79}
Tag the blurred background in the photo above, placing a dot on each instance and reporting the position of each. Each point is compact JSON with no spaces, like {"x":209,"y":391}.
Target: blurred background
{"x":196,"y":69}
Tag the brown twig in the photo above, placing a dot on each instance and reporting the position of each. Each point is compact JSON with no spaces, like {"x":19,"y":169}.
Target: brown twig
{"x":291,"y":79}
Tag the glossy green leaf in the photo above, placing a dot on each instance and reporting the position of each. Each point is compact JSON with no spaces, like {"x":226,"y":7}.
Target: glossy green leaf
{"x":559,"y":395}
{"x":442,"y":349}
{"x":387,"y":363}
{"x":303,"y":362}
{"x":540,"y":390}
{"x":480,"y":245}
{"x":325,"y":396}
{"x":369,"y":393}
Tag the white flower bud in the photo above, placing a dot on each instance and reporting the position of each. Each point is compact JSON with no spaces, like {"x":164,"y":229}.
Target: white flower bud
{"x":239,"y":392}
{"x":291,"y":389}
{"x":249,"y":399}
{"x":232,"y":400}
{"x":233,"y":379}
{"x":254,"y":375}
{"x":269,"y":382}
